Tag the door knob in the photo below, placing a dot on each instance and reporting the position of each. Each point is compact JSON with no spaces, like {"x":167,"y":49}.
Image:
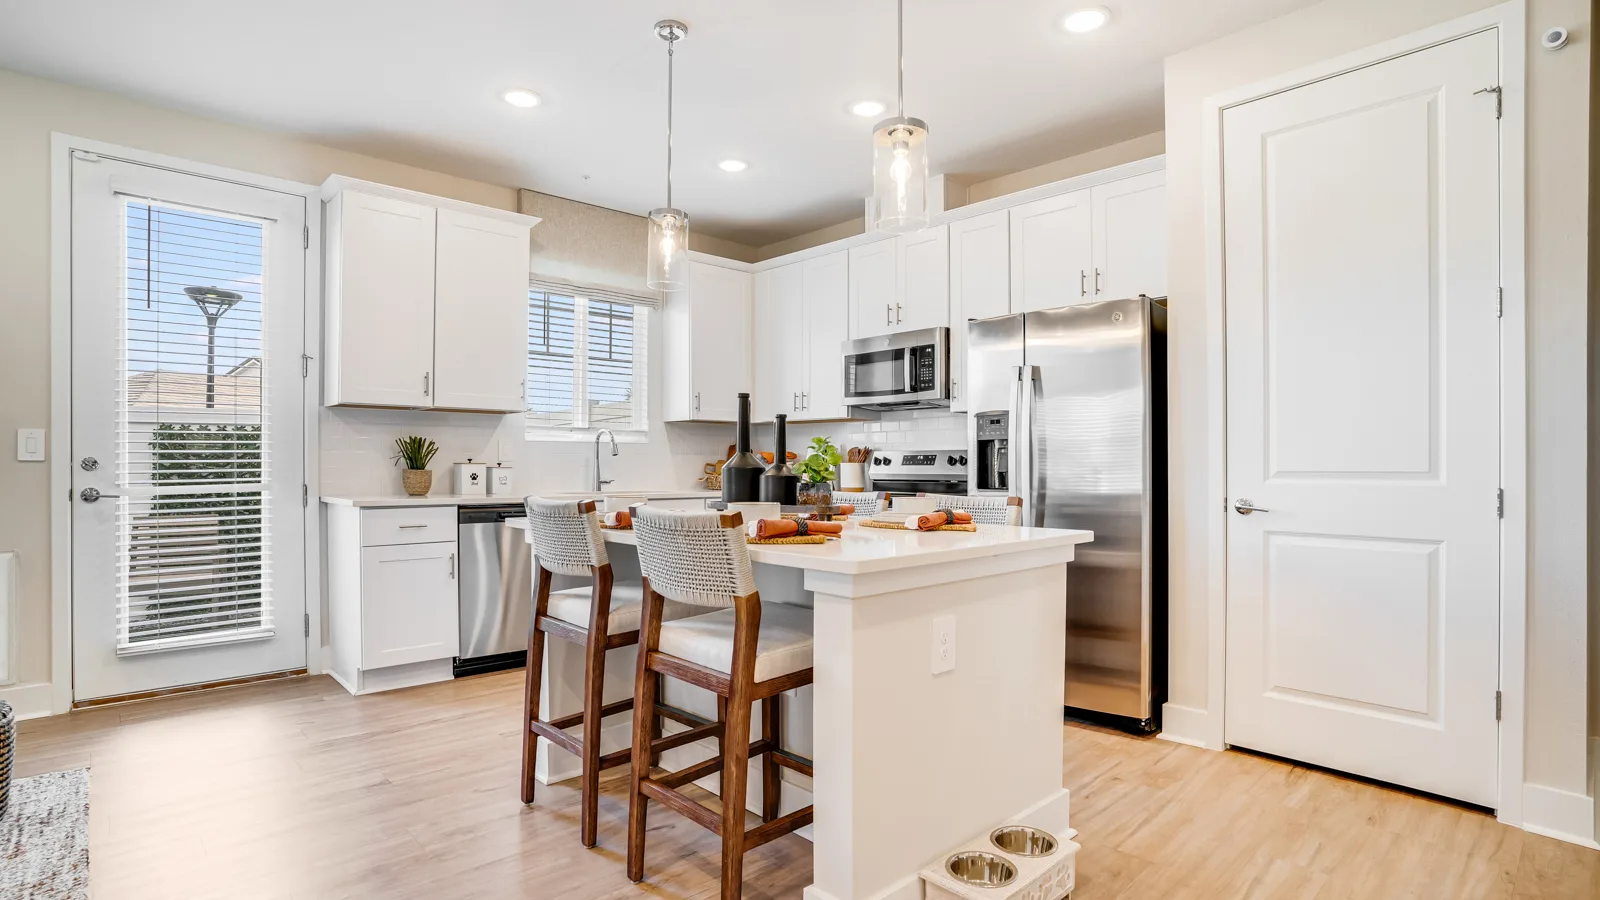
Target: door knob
{"x":1244,"y":507}
{"x":90,"y":495}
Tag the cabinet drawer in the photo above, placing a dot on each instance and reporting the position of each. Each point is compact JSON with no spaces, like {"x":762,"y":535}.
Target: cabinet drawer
{"x":408,"y":525}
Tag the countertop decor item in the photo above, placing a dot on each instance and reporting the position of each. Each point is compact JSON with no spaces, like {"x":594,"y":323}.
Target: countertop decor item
{"x":817,"y":472}
{"x":416,"y":452}
{"x":741,"y":475}
{"x":469,"y":479}
{"x":779,"y":483}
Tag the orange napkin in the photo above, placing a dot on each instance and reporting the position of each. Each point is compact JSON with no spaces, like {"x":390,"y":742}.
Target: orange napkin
{"x":847,"y":509}
{"x":932,"y":521}
{"x":618,"y":520}
{"x":767,"y":529}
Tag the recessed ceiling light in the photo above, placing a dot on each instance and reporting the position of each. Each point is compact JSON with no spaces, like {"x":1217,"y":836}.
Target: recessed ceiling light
{"x":522,"y":98}
{"x":866,"y":109}
{"x":1085,"y":20}
{"x":733,"y":165}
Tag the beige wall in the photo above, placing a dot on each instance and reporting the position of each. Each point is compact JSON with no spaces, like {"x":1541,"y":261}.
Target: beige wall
{"x":1070,"y":167}
{"x":1557,"y":239}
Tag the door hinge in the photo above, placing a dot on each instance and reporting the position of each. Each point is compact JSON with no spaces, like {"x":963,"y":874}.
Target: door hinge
{"x":1499,"y":98}
{"x":85,"y":156}
{"x":1497,"y":706}
{"x":305,"y":366}
{"x":305,"y":496}
{"x":1499,"y":302}
{"x":305,"y":237}
{"x":308,"y":624}
{"x":1500,"y":503}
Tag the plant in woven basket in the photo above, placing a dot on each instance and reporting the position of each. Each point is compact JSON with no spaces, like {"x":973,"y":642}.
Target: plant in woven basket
{"x":416,"y":452}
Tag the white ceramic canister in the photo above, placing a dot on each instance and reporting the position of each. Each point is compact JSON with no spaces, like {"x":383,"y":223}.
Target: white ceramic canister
{"x":499,"y":481}
{"x":469,"y":479}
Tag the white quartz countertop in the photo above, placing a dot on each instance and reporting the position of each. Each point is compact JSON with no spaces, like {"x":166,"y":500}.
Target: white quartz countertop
{"x":499,"y":499}
{"x":864,"y":550}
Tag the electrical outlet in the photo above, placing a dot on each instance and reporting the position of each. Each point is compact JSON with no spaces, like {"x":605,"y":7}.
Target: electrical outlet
{"x":943,"y":652}
{"x":507,"y":448}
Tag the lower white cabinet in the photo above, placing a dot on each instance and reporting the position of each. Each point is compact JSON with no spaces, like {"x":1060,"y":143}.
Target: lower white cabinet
{"x":392,"y":596}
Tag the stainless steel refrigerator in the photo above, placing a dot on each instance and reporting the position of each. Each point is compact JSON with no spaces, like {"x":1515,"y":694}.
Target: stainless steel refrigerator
{"x":1068,"y":412}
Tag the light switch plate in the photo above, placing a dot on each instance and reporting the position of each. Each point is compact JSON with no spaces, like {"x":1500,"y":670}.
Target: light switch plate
{"x":942,"y":655}
{"x":30,"y":445}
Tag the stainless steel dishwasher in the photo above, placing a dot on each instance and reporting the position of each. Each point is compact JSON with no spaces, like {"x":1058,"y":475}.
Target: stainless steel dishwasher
{"x":496,"y":589}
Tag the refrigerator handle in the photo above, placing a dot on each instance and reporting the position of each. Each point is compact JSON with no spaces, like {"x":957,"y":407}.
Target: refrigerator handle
{"x":1014,"y":438}
{"x":1027,"y":384}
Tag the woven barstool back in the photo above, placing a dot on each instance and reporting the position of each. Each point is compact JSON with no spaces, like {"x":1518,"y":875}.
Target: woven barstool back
{"x":692,"y":557}
{"x":566,"y":540}
{"x":985,"y":510}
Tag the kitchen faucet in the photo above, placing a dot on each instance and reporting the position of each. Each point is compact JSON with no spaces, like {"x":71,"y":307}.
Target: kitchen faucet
{"x":598,"y":483}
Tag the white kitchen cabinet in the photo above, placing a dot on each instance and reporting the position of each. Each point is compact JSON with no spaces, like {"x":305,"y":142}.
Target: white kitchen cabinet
{"x":1130,"y":237}
{"x":480,"y":313}
{"x":1051,"y":252}
{"x":874,"y":287}
{"x":778,"y":343}
{"x":393,"y":604}
{"x":980,"y":286}
{"x":923,"y":297}
{"x":426,"y":300}
{"x":708,"y":339}
{"x":825,"y":285}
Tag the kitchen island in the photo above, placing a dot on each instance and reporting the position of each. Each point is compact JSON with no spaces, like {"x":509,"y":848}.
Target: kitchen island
{"x":916,"y":749}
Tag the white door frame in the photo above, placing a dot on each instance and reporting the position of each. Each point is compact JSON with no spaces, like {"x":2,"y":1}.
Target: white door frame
{"x":61,"y":147}
{"x":1508,"y":19}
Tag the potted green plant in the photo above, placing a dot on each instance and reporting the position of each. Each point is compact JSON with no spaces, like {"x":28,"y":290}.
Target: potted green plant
{"x":416,"y":453}
{"x":817,"y":472}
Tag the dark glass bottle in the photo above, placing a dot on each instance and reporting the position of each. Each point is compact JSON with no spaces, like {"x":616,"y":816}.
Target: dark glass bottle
{"x":779,"y":484}
{"x":741,"y":475}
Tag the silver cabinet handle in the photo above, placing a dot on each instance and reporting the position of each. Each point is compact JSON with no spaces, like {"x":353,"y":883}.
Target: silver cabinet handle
{"x":888,"y":314}
{"x":955,"y":388}
{"x":411,"y":526}
{"x":805,"y":400}
{"x":1083,"y":281}
{"x":1097,"y":280}
{"x":1244,"y":507}
{"x":794,"y":402}
{"x":425,"y":383}
{"x":696,"y":401}
{"x":452,"y":565}
{"x":90,"y":495}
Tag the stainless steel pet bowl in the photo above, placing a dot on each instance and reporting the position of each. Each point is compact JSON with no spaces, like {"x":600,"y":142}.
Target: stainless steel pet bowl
{"x":1023,"y":840}
{"x":980,"y":869}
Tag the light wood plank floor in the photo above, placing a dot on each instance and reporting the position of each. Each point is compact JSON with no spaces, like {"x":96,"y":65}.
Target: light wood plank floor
{"x":293,"y":789}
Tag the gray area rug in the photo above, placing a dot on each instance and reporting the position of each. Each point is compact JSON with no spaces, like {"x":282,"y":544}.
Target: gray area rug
{"x":44,"y":838}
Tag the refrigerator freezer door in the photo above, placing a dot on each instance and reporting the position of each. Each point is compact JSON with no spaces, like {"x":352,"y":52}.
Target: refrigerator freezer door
{"x":994,"y":356}
{"x":1090,"y":469}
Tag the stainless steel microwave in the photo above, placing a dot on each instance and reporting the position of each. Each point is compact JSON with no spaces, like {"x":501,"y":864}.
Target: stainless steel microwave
{"x":909,"y":370}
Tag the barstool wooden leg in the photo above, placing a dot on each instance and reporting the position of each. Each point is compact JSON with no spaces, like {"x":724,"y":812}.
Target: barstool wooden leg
{"x":736,"y":744}
{"x":658,"y":724}
{"x":771,"y":780}
{"x":534,"y":673}
{"x":594,"y":684}
{"x":644,"y":711}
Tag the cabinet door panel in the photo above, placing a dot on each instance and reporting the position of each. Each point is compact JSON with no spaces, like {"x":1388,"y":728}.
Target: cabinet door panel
{"x":720,"y":341}
{"x":380,"y":322}
{"x":408,"y":604}
{"x":480,"y":324}
{"x":778,"y":362}
{"x":1051,"y":252}
{"x":827,"y":322}
{"x":874,"y":285}
{"x":980,"y":286}
{"x":1130,"y":237}
{"x":923,"y":299}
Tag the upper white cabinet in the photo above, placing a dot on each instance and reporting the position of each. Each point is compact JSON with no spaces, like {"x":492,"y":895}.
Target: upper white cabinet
{"x":426,"y":300}
{"x":825,"y":284}
{"x":801,"y":324}
{"x":1108,"y":242}
{"x":1051,"y":252}
{"x":778,"y":344}
{"x":980,"y":286}
{"x":708,"y":341}
{"x":900,"y":284}
{"x":1130,"y":237}
{"x":874,"y":288}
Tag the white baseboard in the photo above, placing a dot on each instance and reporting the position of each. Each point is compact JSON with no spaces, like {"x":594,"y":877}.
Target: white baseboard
{"x":1563,"y":815}
{"x":1186,"y":725}
{"x":28,"y":701}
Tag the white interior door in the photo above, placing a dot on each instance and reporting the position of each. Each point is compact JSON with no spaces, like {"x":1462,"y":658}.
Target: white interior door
{"x":188,"y":304}
{"x":1362,"y":252}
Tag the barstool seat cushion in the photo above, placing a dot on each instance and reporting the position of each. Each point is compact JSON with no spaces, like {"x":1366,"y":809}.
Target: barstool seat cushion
{"x":783,"y":646}
{"x":627,"y":602}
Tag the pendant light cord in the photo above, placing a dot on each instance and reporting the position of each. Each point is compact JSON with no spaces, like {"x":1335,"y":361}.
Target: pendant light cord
{"x":900,"y":48}
{"x":670,"y":43}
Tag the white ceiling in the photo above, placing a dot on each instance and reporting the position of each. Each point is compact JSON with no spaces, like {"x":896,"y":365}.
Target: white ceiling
{"x":417,"y":81}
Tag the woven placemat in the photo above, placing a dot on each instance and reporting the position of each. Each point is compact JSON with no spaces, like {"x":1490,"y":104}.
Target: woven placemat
{"x":896,"y":526}
{"x":605,"y":527}
{"x":791,"y":539}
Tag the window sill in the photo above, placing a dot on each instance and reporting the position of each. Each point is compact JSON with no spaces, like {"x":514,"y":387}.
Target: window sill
{"x":581,"y":436}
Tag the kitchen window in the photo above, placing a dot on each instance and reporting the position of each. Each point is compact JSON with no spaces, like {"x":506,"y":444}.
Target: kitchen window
{"x":587,"y":366}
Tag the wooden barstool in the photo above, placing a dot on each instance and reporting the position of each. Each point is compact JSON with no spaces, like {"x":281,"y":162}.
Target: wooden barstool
{"x":742,"y":652}
{"x":985,"y":510}
{"x":604,"y":616}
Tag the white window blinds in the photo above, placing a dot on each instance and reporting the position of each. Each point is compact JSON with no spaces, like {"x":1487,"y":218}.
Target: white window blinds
{"x":587,"y":365}
{"x":192,"y":526}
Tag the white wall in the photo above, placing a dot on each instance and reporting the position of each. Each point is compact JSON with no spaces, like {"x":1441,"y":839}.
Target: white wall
{"x":1557,"y":238}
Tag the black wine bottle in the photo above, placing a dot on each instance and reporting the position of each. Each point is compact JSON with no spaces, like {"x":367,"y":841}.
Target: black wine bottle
{"x":779,"y":484}
{"x":741,"y":475}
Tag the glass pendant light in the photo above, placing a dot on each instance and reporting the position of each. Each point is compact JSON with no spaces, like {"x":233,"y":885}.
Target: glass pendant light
{"x":669,"y":227}
{"x":900,"y":159}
